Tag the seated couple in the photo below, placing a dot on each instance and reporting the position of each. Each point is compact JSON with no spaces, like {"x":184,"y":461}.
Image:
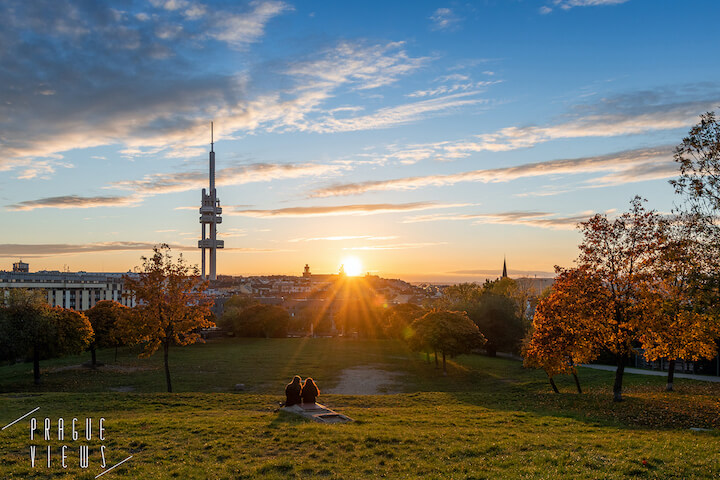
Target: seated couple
{"x":297,"y":391}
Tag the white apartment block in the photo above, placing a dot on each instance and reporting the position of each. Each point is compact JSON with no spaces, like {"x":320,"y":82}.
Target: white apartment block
{"x":79,"y":291}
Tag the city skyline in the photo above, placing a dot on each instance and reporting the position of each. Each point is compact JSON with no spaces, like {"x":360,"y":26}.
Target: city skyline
{"x":427,"y":140}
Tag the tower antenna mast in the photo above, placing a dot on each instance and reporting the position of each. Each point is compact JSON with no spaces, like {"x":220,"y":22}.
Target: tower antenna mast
{"x":210,"y":211}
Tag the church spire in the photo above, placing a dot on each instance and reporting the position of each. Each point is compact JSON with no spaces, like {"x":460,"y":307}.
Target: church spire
{"x":504,"y":275}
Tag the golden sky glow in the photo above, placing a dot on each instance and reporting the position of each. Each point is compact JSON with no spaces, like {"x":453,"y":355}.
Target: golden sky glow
{"x":427,"y":149}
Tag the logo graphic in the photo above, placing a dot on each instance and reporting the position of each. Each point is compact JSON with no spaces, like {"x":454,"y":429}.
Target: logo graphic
{"x":55,"y":444}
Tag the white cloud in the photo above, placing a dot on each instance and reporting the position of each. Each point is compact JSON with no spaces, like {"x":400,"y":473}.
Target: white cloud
{"x":364,"y":67}
{"x":447,"y":89}
{"x":76,"y":201}
{"x":397,"y":115}
{"x":338,"y":210}
{"x":396,"y":246}
{"x":631,"y":114}
{"x":46,"y":250}
{"x":342,"y":238}
{"x":629,"y":166}
{"x":239,"y":30}
{"x":546,"y":220}
{"x":444,"y":19}
{"x":597,"y":125}
{"x":568,"y":4}
{"x":238,"y":175}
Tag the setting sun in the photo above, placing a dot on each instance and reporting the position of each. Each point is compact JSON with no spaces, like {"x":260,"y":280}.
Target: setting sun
{"x":352,"y":266}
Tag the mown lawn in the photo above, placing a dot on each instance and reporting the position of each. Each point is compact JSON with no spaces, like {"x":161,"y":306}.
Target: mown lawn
{"x":489,"y":418}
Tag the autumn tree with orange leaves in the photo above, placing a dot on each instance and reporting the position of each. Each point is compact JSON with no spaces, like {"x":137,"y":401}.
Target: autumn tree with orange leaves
{"x":104,"y":317}
{"x":679,"y":325}
{"x":568,"y":324}
{"x":622,"y":253}
{"x":171,"y":305}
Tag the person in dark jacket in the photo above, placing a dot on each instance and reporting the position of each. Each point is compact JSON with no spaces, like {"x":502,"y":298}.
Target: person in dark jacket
{"x":310,"y":391}
{"x":292,"y":392}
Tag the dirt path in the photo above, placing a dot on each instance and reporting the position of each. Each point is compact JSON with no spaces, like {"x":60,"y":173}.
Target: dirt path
{"x":367,"y":380}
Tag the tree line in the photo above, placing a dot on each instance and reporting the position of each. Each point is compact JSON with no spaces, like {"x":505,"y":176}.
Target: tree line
{"x":469,"y":317}
{"x":171,"y":309}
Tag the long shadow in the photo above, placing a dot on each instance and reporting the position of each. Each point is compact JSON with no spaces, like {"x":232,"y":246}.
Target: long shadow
{"x":504,"y":385}
{"x":492,"y":383}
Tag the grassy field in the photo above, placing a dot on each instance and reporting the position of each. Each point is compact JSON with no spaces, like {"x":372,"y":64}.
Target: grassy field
{"x":489,"y":418}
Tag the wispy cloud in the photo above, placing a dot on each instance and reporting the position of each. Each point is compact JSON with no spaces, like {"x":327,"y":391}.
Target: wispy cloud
{"x":452,"y":88}
{"x":396,"y":246}
{"x":342,"y":238}
{"x":411,"y":155}
{"x":397,"y":115}
{"x":237,"y":175}
{"x":638,"y":173}
{"x":359,"y":209}
{"x":444,"y":19}
{"x":49,"y":249}
{"x":609,"y":119}
{"x":626,"y":114}
{"x":42,"y":169}
{"x":238,"y":30}
{"x":547,"y":220}
{"x":75,"y":201}
{"x":635,"y":161}
{"x":568,"y":4}
{"x":231,"y":235}
{"x":361,"y":66}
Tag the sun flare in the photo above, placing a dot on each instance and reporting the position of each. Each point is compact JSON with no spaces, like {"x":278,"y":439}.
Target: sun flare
{"x":352,"y":266}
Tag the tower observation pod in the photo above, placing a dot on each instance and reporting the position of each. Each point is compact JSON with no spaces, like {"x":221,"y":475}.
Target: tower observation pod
{"x":209,"y":218}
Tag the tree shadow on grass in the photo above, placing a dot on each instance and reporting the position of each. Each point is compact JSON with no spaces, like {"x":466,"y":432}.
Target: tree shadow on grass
{"x":505,"y":385}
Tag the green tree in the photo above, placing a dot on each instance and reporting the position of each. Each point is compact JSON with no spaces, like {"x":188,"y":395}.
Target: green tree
{"x":269,"y":321}
{"x":491,"y":308}
{"x":358,"y":316}
{"x":496,"y":316}
{"x":7,"y":346}
{"x":30,"y":325}
{"x":36,"y":330}
{"x":451,"y":333}
{"x":460,"y":295}
{"x":171,"y":305}
{"x":104,"y":317}
{"x":398,"y":318}
{"x":240,"y":301}
{"x":232,"y":308}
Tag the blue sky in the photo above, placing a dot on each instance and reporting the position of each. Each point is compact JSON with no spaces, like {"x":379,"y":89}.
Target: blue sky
{"x":427,"y":139}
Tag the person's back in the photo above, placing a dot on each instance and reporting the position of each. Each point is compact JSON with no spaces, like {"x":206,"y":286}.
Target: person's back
{"x":309,"y":391}
{"x":292,"y":392}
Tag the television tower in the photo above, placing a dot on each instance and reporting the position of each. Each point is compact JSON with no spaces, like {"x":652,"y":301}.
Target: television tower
{"x":210,"y":216}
